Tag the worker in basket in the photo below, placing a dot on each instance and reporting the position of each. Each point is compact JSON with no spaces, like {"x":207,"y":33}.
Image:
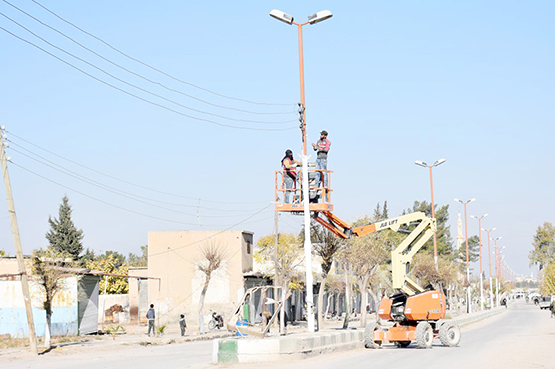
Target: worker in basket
{"x":290,"y":174}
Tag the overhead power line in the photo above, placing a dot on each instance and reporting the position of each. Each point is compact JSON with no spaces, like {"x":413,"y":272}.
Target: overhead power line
{"x":123,"y":208}
{"x":141,"y":98}
{"x":132,"y":183}
{"x":151,"y":67}
{"x":138,"y":74}
{"x":138,"y":87}
{"x":137,"y":198}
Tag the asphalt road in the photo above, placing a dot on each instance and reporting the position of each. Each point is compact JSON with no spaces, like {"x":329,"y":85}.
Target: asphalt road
{"x":522,"y":337}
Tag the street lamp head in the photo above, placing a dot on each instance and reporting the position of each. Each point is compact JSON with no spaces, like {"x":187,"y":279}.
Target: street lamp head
{"x":457,"y":200}
{"x":485,"y":215}
{"x":319,"y":17}
{"x":421,"y":163}
{"x":281,"y":16}
{"x":438,"y":162}
{"x":474,"y":216}
{"x":471,"y":200}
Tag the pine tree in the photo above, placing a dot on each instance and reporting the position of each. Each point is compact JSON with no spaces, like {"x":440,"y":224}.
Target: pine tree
{"x":63,"y":236}
{"x":385,"y":212}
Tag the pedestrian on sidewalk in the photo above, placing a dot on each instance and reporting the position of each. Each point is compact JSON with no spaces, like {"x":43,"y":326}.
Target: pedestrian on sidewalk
{"x":150,"y":315}
{"x":182,"y":325}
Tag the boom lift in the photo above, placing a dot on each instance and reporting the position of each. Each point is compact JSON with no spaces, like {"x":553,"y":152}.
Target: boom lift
{"x":415,"y":314}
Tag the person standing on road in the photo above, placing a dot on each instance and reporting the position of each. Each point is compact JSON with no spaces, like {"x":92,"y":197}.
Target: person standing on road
{"x":150,"y":315}
{"x":290,"y":175}
{"x":322,"y":146}
{"x":182,"y":325}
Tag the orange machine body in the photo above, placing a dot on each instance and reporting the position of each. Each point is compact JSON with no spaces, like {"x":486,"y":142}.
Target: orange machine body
{"x":425,"y":306}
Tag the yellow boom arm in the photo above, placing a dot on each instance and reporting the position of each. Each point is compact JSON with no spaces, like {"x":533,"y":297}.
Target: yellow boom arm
{"x":402,"y":256}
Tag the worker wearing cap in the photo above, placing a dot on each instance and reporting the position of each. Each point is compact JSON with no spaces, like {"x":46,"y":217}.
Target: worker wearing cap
{"x":322,"y":146}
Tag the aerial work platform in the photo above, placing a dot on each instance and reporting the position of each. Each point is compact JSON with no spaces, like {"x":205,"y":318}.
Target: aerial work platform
{"x":319,"y":191}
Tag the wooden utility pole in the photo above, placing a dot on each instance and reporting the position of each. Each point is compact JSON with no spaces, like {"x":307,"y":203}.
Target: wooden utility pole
{"x":17,"y":242}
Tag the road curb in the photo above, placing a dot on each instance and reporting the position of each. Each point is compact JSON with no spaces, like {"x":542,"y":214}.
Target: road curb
{"x":296,"y":346}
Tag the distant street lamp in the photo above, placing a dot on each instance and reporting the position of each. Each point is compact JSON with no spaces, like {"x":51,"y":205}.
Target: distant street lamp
{"x":481,"y":272}
{"x":496,"y":271}
{"x":468,"y":308}
{"x":423,"y":164}
{"x":312,"y":19}
{"x":489,"y":259}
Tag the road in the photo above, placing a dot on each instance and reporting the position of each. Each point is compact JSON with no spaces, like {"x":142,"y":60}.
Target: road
{"x":522,"y":337}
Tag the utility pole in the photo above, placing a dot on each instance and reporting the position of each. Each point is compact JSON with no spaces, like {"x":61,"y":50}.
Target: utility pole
{"x":17,"y":242}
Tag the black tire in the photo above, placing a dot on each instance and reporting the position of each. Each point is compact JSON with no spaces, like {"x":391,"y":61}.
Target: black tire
{"x":424,"y":335}
{"x":450,"y":334}
{"x":211,"y":324}
{"x":369,"y":336}
{"x":402,"y":344}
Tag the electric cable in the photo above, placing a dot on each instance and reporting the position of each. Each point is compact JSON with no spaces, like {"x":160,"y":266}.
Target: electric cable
{"x":127,"y":182}
{"x":151,"y":67}
{"x":140,"y":75}
{"x":138,"y":87}
{"x":73,"y":174}
{"x":141,"y":98}
{"x":116,"y":191}
{"x":120,"y":207}
{"x":215,"y":234}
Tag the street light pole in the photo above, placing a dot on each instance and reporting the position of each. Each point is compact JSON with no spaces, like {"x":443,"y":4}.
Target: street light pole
{"x":481,"y":270}
{"x":489,"y":260}
{"x":423,"y":164}
{"x":496,"y":272}
{"x":468,"y":303}
{"x":313,"y":19}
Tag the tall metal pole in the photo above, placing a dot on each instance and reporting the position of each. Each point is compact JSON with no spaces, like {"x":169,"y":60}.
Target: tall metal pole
{"x":433,"y":216}
{"x":481,"y":267}
{"x":489,"y":260}
{"x":306,"y":205}
{"x":481,"y":270}
{"x":18,"y":251}
{"x":301,"y":70}
{"x":496,"y":277}
{"x":468,"y":303}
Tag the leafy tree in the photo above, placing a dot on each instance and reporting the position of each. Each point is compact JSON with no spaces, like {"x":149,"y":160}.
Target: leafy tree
{"x":111,"y":285}
{"x":547,"y":286}
{"x":544,"y":246}
{"x":324,"y":244}
{"x":87,"y":256}
{"x":119,"y":258}
{"x":139,"y":261}
{"x":423,"y":268}
{"x":473,"y":250}
{"x":286,"y":259}
{"x":63,"y":236}
{"x":366,"y":255}
{"x":213,"y":256}
{"x":47,"y":267}
{"x":443,"y":233}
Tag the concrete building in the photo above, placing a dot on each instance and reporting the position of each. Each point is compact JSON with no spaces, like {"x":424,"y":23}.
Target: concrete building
{"x":173,"y":257}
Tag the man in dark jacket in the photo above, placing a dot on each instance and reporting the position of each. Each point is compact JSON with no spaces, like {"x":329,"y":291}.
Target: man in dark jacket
{"x":182,"y":324}
{"x":150,"y":316}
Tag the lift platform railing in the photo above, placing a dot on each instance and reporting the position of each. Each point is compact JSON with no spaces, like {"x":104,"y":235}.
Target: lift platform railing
{"x":290,"y":198}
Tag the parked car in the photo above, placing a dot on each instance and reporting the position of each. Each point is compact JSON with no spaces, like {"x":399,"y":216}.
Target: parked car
{"x":544,"y":302}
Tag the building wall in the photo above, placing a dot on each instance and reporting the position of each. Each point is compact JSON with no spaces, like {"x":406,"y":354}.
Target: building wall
{"x":173,"y":256}
{"x":13,"y":317}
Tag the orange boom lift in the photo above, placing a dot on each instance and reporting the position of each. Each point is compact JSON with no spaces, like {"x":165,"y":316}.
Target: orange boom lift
{"x":414,"y":314}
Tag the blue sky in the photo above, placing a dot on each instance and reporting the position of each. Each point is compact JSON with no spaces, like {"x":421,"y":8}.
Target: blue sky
{"x":392,"y":82}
